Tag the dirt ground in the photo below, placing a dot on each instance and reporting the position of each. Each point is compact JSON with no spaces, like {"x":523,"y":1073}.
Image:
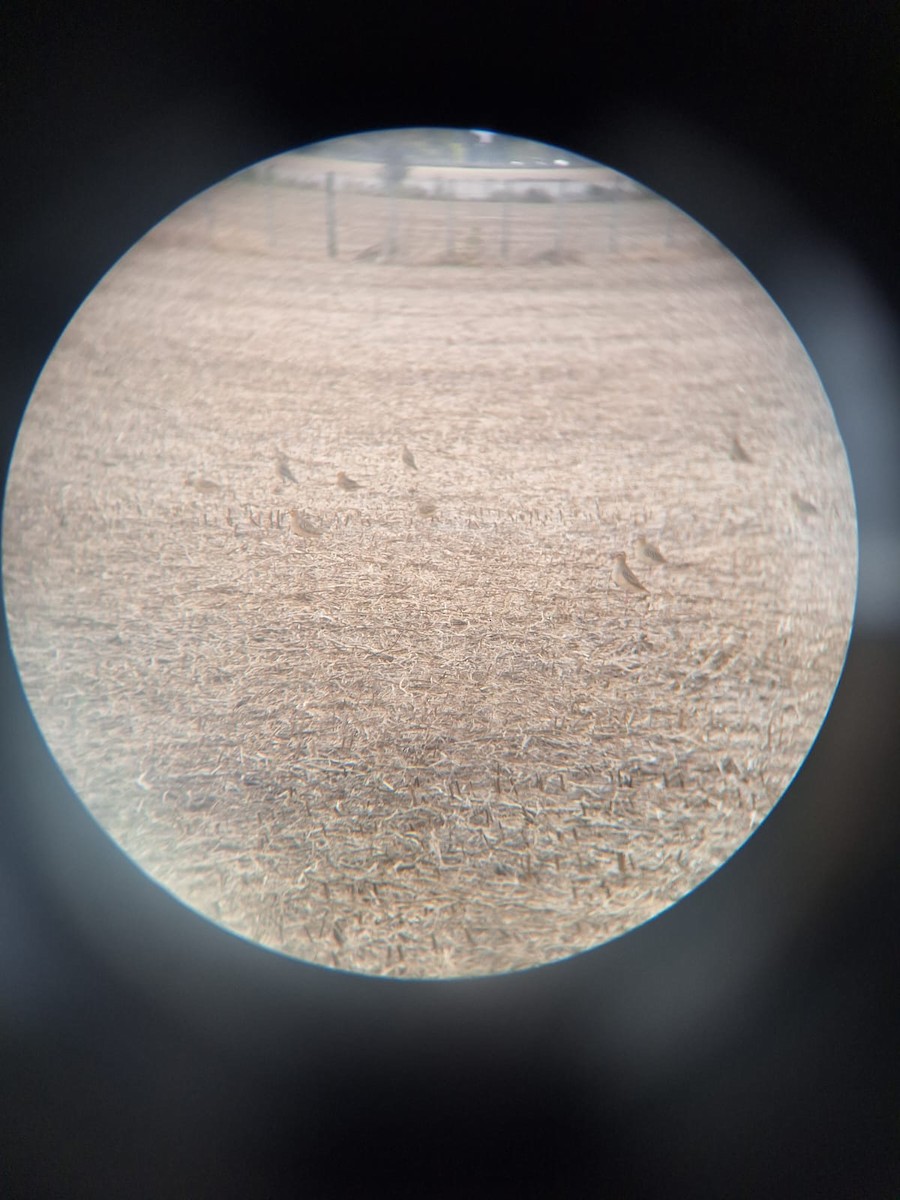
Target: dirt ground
{"x":428,"y":745}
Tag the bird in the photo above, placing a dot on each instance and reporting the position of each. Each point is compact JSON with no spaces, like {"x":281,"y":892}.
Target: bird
{"x":409,"y":458}
{"x":426,"y":508}
{"x":804,"y":506}
{"x":303,"y":526}
{"x":624,"y":578}
{"x":646,"y":552}
{"x":344,"y":481}
{"x":201,"y":484}
{"x":283,"y":468}
{"x":738,"y":453}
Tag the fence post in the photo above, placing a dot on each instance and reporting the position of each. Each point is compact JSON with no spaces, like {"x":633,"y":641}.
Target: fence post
{"x":391,"y":248}
{"x":450,"y":215}
{"x":330,"y":222}
{"x":210,"y":214}
{"x":560,"y":221}
{"x":614,"y":223}
{"x":269,"y":187}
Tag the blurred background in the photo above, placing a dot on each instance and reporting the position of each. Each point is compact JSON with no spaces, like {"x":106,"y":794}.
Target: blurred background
{"x":743,"y":1044}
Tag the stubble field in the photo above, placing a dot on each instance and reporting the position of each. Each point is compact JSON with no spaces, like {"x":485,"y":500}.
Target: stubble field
{"x":426,"y":745}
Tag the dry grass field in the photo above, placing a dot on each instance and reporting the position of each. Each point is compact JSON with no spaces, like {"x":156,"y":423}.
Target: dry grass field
{"x":427,"y":744}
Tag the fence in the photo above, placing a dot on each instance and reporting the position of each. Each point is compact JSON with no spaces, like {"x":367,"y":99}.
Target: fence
{"x":450,"y":216}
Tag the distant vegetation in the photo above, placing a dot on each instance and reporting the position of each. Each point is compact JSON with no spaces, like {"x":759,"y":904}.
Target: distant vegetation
{"x":442,"y":147}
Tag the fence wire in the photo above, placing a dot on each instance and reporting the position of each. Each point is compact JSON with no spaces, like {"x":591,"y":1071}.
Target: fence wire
{"x":464,"y":217}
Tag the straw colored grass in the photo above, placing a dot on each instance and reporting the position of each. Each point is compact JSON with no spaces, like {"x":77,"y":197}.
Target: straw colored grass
{"x":426,"y":744}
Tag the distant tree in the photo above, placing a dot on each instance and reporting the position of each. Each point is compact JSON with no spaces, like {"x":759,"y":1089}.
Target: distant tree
{"x":452,"y":148}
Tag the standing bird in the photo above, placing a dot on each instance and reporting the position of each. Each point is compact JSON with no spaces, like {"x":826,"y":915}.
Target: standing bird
{"x":285,"y":473}
{"x":624,"y":578}
{"x":738,"y":453}
{"x":646,"y":552}
{"x":200,"y":483}
{"x":409,"y":458}
{"x":303,"y":526}
{"x":806,"y":507}
{"x":344,"y":481}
